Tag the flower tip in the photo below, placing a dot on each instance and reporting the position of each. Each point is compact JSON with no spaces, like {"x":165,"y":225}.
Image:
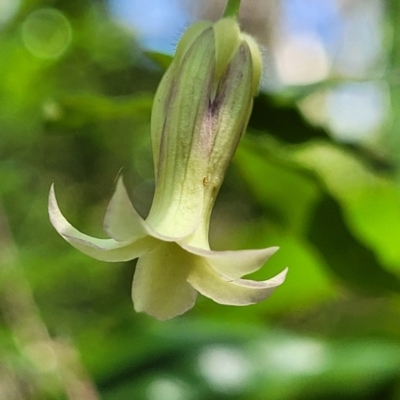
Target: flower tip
{"x":280,"y":278}
{"x":51,"y":192}
{"x":57,"y":219}
{"x":273,"y":250}
{"x":53,"y":208}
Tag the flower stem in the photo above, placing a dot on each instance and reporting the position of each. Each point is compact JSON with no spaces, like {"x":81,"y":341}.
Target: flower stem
{"x":232,"y":8}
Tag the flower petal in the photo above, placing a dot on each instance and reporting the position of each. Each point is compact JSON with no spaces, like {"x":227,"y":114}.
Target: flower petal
{"x":234,"y":264}
{"x":159,"y":285}
{"x":239,"y":292}
{"x":121,"y":221}
{"x":101,"y":249}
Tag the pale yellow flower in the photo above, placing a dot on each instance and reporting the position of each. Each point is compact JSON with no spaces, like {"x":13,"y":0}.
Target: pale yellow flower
{"x":200,"y":111}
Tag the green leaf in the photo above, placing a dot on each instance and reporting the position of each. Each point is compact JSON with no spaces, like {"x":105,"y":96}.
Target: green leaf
{"x":275,"y":182}
{"x":370,"y":201}
{"x":349,"y":259}
{"x":282,"y":120}
{"x":161,"y":59}
{"x":335,"y":223}
{"x":81,"y":109}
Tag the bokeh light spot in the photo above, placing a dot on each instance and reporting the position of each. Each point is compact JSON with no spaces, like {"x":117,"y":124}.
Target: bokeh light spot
{"x":296,"y":357}
{"x":357,"y":110}
{"x":46,"y":33}
{"x":168,"y":389}
{"x":226,"y":369}
{"x":302,"y":60}
{"x":8,"y":9}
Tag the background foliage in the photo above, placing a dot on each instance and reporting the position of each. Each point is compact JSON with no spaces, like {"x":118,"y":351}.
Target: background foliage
{"x":76,"y":91}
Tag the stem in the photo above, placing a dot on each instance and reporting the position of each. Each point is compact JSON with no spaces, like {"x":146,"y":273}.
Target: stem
{"x":232,"y":8}
{"x":392,"y":136}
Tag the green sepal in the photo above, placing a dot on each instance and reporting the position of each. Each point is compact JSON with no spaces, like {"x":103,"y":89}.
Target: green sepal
{"x":227,"y":41}
{"x":191,"y":34}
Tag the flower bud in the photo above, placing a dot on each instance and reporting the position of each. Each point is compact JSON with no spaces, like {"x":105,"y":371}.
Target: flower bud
{"x":200,"y":111}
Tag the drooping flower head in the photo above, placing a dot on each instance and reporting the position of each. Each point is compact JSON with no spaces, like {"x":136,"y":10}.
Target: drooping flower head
{"x":200,"y":111}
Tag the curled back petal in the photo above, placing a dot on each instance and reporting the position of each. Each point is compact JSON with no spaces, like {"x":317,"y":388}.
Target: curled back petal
{"x":159,"y":285}
{"x":234,"y":264}
{"x":101,"y":249}
{"x":121,"y":221}
{"x":239,"y":292}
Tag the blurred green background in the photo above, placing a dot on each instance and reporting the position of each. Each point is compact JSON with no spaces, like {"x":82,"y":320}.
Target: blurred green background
{"x":317,"y":174}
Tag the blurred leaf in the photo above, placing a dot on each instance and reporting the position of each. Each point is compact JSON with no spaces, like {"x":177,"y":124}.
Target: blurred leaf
{"x":370,"y":201}
{"x":350,"y":260}
{"x":303,"y":367}
{"x":392,"y":137}
{"x":161,"y":59}
{"x":287,"y":197}
{"x":79,"y":110}
{"x":289,"y":190}
{"x":282,"y":120}
{"x":308,"y":283}
{"x":288,"y":194}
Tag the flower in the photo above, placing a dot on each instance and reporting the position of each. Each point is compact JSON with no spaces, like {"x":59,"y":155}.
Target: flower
{"x":200,"y":111}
